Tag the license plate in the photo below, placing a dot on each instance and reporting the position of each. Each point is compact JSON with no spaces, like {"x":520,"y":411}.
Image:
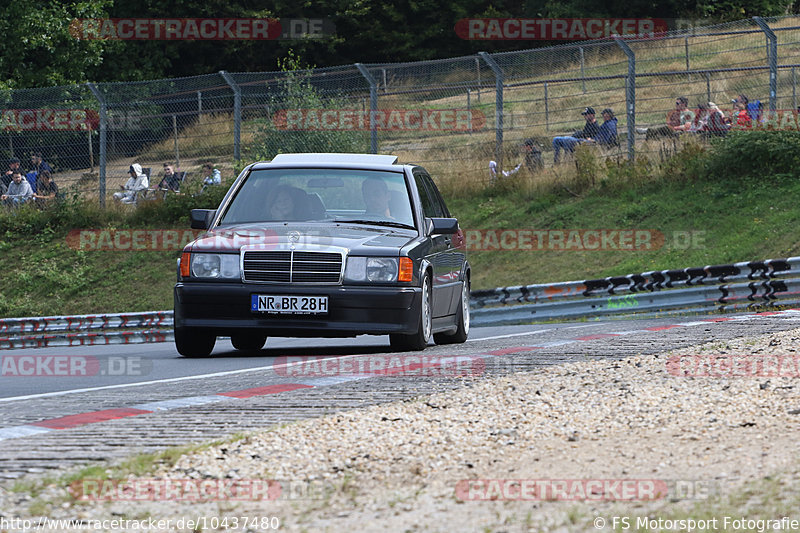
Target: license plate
{"x":289,"y":305}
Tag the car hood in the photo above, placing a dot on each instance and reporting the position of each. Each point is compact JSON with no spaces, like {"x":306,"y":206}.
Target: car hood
{"x":367,"y":240}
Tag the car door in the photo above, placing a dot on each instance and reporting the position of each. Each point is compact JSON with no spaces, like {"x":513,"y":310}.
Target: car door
{"x":432,"y":208}
{"x":453,"y":257}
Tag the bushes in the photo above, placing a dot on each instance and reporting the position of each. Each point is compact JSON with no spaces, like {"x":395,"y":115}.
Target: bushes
{"x":755,"y":154}
{"x":78,"y":213}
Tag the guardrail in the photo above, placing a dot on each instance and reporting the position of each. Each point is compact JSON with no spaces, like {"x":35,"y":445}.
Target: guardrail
{"x":714,"y":288}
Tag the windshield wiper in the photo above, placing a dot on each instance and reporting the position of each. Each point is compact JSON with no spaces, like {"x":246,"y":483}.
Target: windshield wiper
{"x":374,"y":222}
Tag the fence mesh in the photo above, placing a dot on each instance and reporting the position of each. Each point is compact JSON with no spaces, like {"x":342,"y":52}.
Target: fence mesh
{"x":440,"y":113}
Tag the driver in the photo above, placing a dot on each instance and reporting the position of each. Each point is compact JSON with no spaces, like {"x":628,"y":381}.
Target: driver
{"x":376,"y":197}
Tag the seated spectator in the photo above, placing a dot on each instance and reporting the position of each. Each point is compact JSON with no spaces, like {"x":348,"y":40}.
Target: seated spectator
{"x":695,"y":122}
{"x":38,"y":165}
{"x":19,"y":191}
{"x":607,"y":136}
{"x":533,"y":156}
{"x":47,"y":190}
{"x":136,"y":182}
{"x":740,"y":118}
{"x":171,"y":180}
{"x":676,"y":119}
{"x":754,"y":109}
{"x":13,"y":166}
{"x":716,"y":124}
{"x":211,"y":175}
{"x":568,"y":143}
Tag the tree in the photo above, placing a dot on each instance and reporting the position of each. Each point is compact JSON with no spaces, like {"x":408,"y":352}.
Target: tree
{"x":37,"y":49}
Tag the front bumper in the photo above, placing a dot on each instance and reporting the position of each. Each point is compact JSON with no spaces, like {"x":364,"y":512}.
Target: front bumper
{"x":224,"y":309}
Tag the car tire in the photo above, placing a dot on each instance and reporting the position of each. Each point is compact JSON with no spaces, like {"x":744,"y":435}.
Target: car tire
{"x":248,"y":342}
{"x":419,"y":340}
{"x":194,"y":342}
{"x":462,"y":320}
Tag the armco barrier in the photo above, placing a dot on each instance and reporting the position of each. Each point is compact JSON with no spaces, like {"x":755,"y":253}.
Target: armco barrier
{"x":731,"y":287}
{"x":714,"y":288}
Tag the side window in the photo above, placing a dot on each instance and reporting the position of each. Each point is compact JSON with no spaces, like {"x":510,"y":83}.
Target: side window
{"x":437,"y":198}
{"x":428,"y":204}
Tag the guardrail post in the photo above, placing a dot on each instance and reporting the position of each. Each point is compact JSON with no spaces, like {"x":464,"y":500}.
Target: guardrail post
{"x":630,"y":96}
{"x":103,"y":139}
{"x":373,"y":107}
{"x":498,"y":108}
{"x":237,"y":114}
{"x":772,"y":58}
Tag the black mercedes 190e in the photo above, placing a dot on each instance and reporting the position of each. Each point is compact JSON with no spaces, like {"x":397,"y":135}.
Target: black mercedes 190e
{"x":324,"y":245}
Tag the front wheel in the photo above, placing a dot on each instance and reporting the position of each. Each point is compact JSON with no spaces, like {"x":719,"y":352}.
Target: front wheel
{"x":419,"y":340}
{"x":248,"y":342}
{"x":192,"y":342}
{"x":462,"y":321}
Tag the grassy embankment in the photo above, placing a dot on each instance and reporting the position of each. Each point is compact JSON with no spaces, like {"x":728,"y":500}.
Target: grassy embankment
{"x":741,"y":194}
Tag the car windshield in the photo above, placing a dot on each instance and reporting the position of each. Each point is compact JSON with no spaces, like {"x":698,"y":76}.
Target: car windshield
{"x":358,"y":196}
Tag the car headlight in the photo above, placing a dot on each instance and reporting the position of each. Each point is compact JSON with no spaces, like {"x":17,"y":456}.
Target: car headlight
{"x":380,"y":269}
{"x":224,"y":266}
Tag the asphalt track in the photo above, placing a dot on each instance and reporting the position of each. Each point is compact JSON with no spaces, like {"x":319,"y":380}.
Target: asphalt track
{"x":143,"y":398}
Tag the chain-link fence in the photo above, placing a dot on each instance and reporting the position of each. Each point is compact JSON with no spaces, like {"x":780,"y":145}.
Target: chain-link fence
{"x":452,"y":115}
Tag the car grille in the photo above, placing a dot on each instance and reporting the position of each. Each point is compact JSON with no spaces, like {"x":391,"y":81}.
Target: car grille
{"x":292,"y":267}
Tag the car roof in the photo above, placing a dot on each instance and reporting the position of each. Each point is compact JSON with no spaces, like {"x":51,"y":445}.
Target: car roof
{"x":370,"y":159}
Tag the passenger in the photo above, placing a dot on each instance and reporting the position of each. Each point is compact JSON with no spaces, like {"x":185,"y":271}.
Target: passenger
{"x":284,"y":204}
{"x":376,"y":197}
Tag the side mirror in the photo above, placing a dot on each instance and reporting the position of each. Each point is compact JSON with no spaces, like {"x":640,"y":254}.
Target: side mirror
{"x":201,"y":218}
{"x":442,"y":226}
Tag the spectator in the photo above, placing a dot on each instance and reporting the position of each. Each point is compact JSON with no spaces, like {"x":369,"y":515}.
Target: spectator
{"x":171,"y":180}
{"x":47,"y":189}
{"x":676,"y":119}
{"x":38,"y":164}
{"x":13,"y":166}
{"x":754,"y":109}
{"x":740,"y":118}
{"x":376,"y":197}
{"x":211,"y":175}
{"x":697,"y":123}
{"x":568,"y":143}
{"x":533,"y":156}
{"x":607,"y":136}
{"x":18,"y":192}
{"x":716,"y":124}
{"x":136,"y":182}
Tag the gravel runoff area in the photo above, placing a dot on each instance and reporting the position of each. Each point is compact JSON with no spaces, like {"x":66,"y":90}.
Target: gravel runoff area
{"x":725,"y":448}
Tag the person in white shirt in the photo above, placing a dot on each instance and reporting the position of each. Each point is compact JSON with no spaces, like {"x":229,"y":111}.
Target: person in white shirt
{"x":138,"y":181}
